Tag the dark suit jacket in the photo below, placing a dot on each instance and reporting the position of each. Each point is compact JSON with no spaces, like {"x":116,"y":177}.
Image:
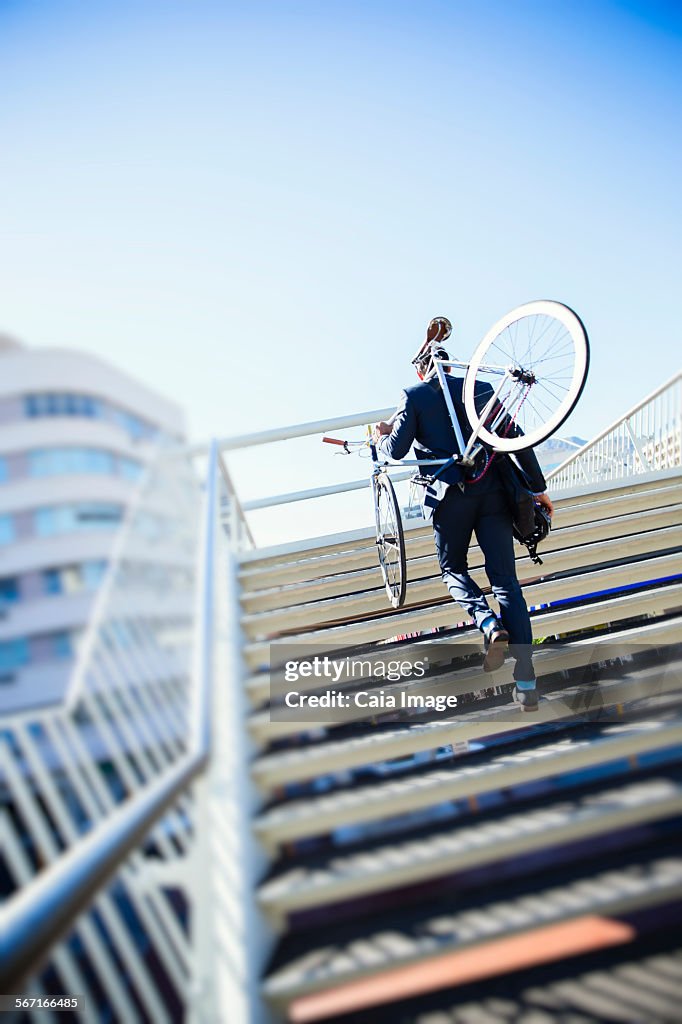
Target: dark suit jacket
{"x":422,"y":419}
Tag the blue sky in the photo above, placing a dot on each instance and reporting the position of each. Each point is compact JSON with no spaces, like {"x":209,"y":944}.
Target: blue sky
{"x":257,"y":207}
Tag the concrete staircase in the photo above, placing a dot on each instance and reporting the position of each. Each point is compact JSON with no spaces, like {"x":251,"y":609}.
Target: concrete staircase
{"x":412,"y":861}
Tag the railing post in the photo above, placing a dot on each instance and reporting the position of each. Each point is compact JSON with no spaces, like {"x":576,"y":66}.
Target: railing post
{"x":230,"y":937}
{"x":581,"y":466}
{"x":641,"y":455}
{"x":201,"y":1000}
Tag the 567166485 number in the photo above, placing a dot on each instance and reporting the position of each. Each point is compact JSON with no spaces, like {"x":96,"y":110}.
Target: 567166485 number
{"x":32,"y":1002}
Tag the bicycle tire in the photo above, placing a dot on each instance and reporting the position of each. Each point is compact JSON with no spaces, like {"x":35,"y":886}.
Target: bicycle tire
{"x":558,"y":369}
{"x":390,"y":539}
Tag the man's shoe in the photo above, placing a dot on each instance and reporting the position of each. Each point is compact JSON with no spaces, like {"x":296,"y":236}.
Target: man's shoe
{"x":526,"y":696}
{"x":496,"y":639}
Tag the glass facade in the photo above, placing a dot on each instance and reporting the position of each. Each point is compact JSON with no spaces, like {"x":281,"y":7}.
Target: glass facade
{"x":62,"y":461}
{"x":129,"y":468}
{"x":92,"y":574}
{"x":50,"y":403}
{"x":9,"y":590}
{"x":71,"y":579}
{"x":13,"y":654}
{"x":62,"y":404}
{"x":91,"y":515}
{"x":61,"y":645}
{"x":133,"y":425}
{"x":6,"y":529}
{"x":66,"y":461}
{"x":52,"y":581}
{"x":43,"y":647}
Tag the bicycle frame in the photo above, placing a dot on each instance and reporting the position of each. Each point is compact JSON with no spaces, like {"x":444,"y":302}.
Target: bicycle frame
{"x":468,"y":450}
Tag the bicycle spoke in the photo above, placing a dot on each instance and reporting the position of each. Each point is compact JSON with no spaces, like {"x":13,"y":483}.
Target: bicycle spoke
{"x":566,"y":352}
{"x":548,"y":409}
{"x":546,"y":386}
{"x":531,"y":336}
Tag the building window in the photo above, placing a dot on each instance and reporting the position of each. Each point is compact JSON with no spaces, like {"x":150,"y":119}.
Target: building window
{"x":133,"y":425}
{"x":70,"y":518}
{"x":129,"y":468}
{"x":57,"y":403}
{"x":98,"y":515}
{"x":48,"y":521}
{"x":13,"y":654}
{"x":62,"y":404}
{"x":92,"y":574}
{"x":62,"y":645}
{"x":67,"y":461}
{"x":71,"y":579}
{"x":9,"y":590}
{"x":6,"y":529}
{"x":62,"y":461}
{"x":52,"y":581}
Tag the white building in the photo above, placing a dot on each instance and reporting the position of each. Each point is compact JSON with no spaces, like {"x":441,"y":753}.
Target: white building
{"x":75,"y":435}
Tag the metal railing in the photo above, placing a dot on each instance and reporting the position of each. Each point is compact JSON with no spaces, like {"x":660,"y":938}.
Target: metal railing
{"x":646,"y":439}
{"x":100,"y":809}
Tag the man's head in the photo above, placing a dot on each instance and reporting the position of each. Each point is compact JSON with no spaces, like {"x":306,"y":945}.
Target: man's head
{"x":426,"y":367}
{"x":439,"y":330}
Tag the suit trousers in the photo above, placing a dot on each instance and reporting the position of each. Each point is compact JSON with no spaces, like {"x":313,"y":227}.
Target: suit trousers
{"x":482,"y":508}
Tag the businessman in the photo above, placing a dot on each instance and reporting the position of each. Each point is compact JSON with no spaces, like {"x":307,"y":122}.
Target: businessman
{"x":459,"y":507}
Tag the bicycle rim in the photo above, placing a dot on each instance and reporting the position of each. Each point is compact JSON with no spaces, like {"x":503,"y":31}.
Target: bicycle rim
{"x":390,"y":540}
{"x":545,"y":345}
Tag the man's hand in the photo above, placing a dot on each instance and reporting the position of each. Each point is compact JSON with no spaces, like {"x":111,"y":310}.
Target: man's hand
{"x":380,"y":430}
{"x":546,"y":502}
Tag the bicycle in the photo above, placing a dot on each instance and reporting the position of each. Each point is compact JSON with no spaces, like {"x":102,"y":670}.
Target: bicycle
{"x":538,"y":358}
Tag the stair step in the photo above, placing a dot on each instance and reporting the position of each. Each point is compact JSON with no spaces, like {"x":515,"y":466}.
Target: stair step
{"x":318,"y":815}
{"x":422,"y":562}
{"x":327,"y":638}
{"x":549,"y":660}
{"x":309,"y":762}
{"x":455,"y":847}
{"x":587,"y":899}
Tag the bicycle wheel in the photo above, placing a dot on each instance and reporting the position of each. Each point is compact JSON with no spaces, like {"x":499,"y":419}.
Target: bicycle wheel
{"x":542,"y":350}
{"x":390,"y":539}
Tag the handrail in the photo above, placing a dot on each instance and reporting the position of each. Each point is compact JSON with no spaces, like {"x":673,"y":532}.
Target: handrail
{"x":228,"y":444}
{"x":350,"y":485}
{"x":38,"y":915}
{"x":317,"y":492}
